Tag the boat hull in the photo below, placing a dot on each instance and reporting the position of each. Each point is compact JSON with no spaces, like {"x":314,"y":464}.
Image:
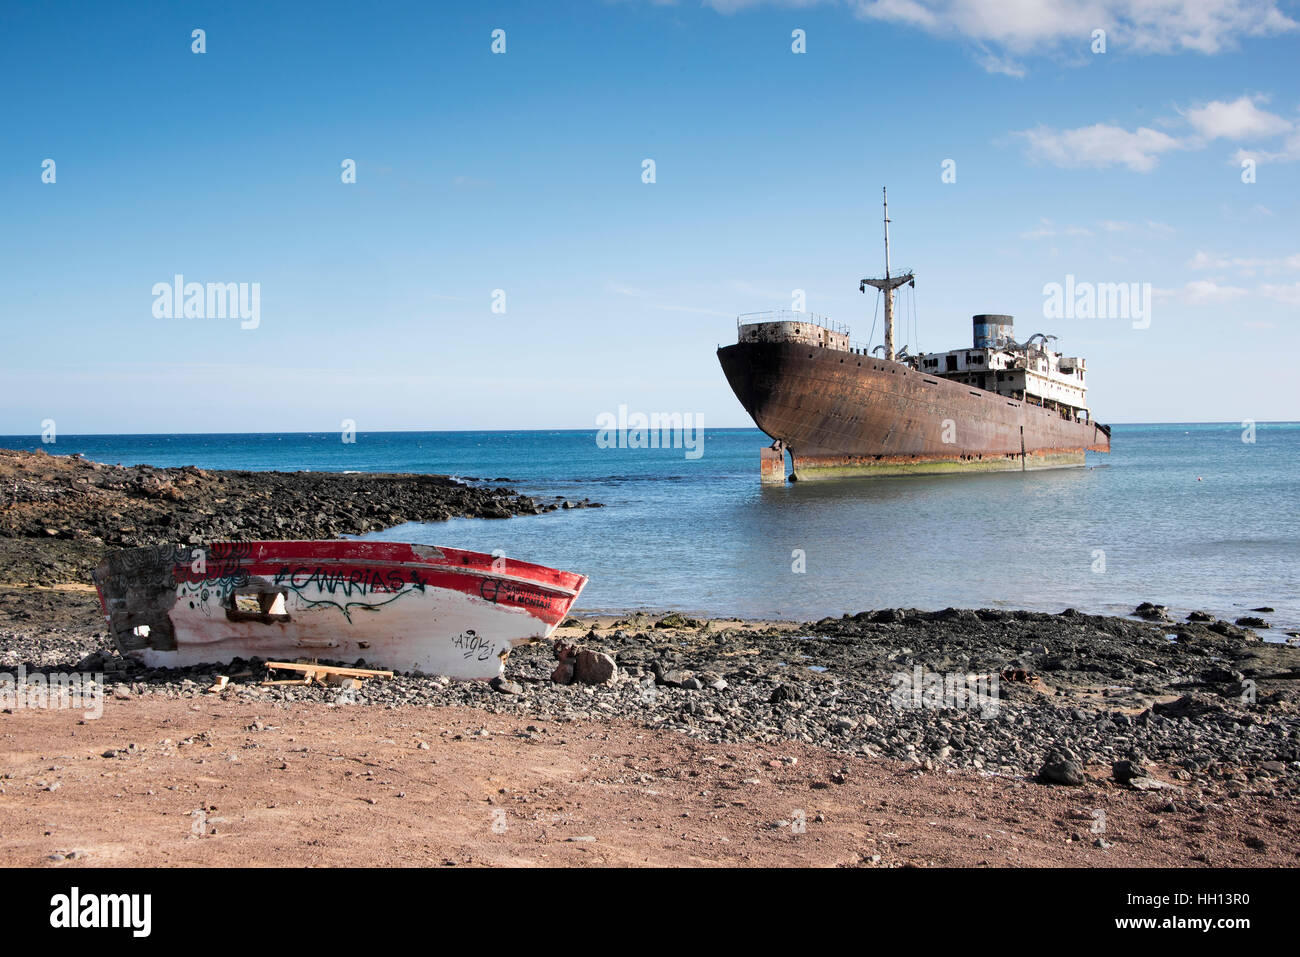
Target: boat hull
{"x":841,"y":413}
{"x":397,"y":606}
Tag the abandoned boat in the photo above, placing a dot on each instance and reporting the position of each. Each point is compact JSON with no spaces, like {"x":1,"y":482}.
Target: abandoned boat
{"x":405,"y":607}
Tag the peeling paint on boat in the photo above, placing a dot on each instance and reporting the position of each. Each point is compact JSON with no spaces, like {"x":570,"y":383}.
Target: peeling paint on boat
{"x":398,"y":606}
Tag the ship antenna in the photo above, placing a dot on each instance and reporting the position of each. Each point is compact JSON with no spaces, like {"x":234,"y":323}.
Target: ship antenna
{"x":885,"y":193}
{"x":887,"y":285}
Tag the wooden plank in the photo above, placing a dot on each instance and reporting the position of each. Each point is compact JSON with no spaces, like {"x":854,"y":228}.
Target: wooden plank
{"x":316,"y":670}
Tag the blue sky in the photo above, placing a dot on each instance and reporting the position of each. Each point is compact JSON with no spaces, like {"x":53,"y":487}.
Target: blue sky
{"x":522,"y":172}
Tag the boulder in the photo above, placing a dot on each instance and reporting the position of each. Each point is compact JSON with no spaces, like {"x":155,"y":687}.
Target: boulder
{"x":1126,"y":771}
{"x":594,"y":667}
{"x":1151,"y":612}
{"x":1060,"y":770}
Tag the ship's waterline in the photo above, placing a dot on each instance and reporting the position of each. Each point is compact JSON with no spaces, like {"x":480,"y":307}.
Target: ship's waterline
{"x":807,"y":468}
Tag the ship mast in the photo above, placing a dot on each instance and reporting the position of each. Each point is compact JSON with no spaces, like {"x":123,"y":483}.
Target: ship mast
{"x":887,"y":285}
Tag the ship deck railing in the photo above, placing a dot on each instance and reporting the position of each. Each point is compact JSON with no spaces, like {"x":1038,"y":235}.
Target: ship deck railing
{"x":791,"y":315}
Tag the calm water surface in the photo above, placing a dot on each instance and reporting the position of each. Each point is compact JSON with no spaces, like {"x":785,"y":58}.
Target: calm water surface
{"x":1185,"y":515}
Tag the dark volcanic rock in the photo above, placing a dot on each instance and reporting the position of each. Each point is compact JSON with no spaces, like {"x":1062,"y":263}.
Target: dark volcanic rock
{"x":563,"y":673}
{"x":1126,"y":771}
{"x":1151,"y":612}
{"x":1188,"y":706}
{"x":506,"y":687}
{"x":1060,"y":770}
{"x":782,"y":693}
{"x":675,"y":620}
{"x":60,"y":514}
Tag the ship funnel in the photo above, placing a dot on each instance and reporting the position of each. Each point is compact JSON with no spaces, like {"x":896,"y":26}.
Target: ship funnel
{"x":992,"y":332}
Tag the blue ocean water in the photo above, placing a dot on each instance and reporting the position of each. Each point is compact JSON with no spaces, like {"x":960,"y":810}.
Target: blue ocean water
{"x":1186,"y":515}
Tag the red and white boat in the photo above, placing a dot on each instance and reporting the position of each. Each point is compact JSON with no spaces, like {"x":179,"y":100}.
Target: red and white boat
{"x":403,"y":607}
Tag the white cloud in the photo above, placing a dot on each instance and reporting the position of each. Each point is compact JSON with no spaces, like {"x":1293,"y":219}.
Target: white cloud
{"x":731,"y":6}
{"x":1121,"y":226}
{"x":1044,"y":230}
{"x":1099,"y":145}
{"x":1044,"y":26}
{"x":1204,"y":260}
{"x":1202,"y":292}
{"x":1240,"y":119}
{"x":992,"y":63}
{"x":1289,"y":153}
{"x":1287,"y":293}
{"x":1104,"y":144}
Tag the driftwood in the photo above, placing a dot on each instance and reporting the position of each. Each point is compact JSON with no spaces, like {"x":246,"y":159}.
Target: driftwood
{"x":314,"y":672}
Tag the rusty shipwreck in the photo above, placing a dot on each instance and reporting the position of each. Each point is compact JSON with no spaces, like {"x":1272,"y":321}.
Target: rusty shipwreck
{"x":841,"y":409}
{"x":439,"y":611}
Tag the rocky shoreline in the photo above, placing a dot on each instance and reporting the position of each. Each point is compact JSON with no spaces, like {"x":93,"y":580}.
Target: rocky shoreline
{"x":59,"y":514}
{"x":1196,"y":708}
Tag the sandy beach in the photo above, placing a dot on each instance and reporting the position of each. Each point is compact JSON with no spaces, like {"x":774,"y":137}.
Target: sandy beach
{"x":222,"y":782}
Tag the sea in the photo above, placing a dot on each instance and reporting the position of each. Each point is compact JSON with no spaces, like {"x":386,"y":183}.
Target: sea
{"x":1193,"y":516}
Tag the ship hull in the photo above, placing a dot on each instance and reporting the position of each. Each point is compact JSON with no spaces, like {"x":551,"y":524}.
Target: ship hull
{"x":841,"y":413}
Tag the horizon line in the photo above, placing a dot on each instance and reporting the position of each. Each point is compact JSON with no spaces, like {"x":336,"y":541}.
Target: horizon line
{"x":727,"y":428}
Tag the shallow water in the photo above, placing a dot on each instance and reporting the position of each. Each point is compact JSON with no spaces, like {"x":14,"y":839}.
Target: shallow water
{"x":1185,"y":515}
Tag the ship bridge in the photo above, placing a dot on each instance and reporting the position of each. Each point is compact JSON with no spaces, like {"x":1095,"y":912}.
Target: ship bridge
{"x":1029,"y":371}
